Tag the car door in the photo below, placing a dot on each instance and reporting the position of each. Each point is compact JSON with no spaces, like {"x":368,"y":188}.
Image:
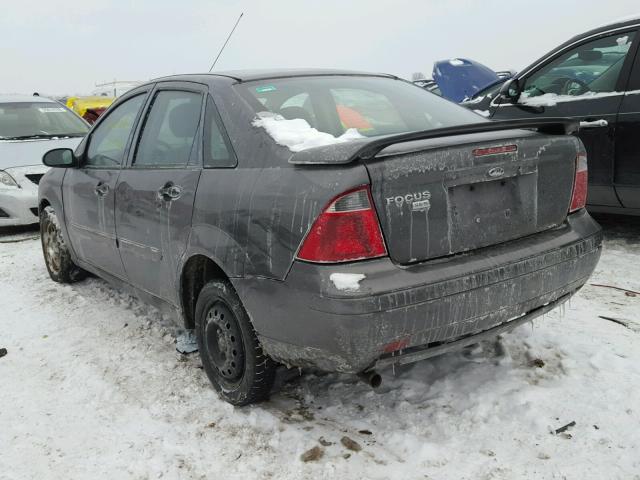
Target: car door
{"x":89,"y":191}
{"x":585,"y":82}
{"x":627,"y":162}
{"x":155,"y":192}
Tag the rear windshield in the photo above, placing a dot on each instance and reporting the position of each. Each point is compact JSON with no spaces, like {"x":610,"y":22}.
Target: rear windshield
{"x":371,"y":105}
{"x":38,"y":119}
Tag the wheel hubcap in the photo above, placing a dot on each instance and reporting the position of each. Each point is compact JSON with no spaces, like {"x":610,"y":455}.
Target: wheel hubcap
{"x":223,"y":341}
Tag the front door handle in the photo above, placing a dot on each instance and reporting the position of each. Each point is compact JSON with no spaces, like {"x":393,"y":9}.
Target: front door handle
{"x":170,"y":192}
{"x":101,"y":189}
{"x":594,"y":123}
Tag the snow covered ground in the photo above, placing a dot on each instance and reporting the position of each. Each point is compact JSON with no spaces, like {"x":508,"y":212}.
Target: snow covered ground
{"x":91,"y":387}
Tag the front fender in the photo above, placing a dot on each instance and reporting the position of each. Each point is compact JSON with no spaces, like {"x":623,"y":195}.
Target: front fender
{"x":50,"y":192}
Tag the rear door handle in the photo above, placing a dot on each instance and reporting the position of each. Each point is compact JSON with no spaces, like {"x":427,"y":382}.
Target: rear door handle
{"x":101,"y":189}
{"x":170,"y":192}
{"x":594,"y":123}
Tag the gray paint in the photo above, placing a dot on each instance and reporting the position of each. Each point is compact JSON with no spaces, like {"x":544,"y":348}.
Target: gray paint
{"x":251,"y":219}
{"x":306,"y":320}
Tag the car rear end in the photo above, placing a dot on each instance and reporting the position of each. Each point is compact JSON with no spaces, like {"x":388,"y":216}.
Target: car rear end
{"x":462,"y":232}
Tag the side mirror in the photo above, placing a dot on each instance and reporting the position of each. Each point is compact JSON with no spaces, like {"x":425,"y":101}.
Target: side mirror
{"x":60,"y":158}
{"x":511,"y":90}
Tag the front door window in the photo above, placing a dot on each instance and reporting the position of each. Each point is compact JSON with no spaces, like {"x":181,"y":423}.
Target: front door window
{"x":589,"y":70}
{"x":109,"y":140}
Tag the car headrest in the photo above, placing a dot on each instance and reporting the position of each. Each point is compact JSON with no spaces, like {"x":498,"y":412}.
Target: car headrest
{"x":184,"y":119}
{"x":291,"y":113}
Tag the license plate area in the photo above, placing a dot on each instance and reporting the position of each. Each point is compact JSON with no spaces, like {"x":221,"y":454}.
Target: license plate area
{"x":488,"y":212}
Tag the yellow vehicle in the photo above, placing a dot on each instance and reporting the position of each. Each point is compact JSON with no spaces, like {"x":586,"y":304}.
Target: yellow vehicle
{"x":89,"y":108}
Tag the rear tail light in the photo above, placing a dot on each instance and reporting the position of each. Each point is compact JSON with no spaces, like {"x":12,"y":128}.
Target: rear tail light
{"x":580,"y":182}
{"x":346,"y":230}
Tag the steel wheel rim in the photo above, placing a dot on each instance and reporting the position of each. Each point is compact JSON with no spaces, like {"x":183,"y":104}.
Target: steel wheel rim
{"x":52,"y":247}
{"x":223,"y":342}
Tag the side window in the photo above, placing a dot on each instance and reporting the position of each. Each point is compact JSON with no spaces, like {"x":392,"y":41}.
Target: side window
{"x":217,"y":151}
{"x":169,"y":130}
{"x":109,"y":140}
{"x":590,"y":68}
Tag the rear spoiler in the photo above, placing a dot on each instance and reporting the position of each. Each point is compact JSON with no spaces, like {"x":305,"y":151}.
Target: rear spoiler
{"x":366,"y":149}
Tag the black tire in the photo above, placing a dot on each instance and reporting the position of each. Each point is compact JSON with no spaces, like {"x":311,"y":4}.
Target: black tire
{"x":231,"y":354}
{"x":56,"y":254}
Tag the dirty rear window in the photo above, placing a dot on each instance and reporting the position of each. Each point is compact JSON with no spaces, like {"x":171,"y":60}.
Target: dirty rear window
{"x":371,"y":105}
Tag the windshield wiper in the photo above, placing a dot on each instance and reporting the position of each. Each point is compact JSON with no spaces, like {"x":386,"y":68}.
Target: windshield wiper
{"x":43,"y":135}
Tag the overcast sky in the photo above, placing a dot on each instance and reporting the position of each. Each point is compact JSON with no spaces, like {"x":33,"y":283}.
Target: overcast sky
{"x":66,"y":46}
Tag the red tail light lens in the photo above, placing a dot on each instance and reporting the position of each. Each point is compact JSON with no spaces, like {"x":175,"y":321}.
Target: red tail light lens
{"x":346,"y":230}
{"x":579,"y":196}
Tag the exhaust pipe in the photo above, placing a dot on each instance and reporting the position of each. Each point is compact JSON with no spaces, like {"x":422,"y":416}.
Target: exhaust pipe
{"x":371,"y":378}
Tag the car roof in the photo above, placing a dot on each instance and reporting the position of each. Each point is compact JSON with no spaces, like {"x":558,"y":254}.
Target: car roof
{"x":631,"y":19}
{"x":265,"y":74}
{"x":620,"y":23}
{"x":24,"y":99}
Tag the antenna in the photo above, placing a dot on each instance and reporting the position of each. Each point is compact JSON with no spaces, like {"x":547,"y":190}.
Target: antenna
{"x":226,"y":41}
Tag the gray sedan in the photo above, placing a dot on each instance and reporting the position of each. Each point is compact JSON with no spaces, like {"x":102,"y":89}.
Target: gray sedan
{"x":322,"y":218}
{"x":30,"y":126}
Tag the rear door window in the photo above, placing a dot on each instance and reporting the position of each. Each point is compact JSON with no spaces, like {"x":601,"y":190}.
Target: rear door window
{"x":169,"y":131}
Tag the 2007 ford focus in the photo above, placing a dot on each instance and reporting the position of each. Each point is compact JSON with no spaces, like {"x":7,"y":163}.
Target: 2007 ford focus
{"x":326,"y":219}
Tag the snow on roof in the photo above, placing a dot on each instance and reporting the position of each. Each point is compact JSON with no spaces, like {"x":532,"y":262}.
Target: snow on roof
{"x":297,"y":134}
{"x":552,"y":99}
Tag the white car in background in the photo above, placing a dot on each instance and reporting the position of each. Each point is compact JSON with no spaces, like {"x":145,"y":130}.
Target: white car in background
{"x":30,"y":127}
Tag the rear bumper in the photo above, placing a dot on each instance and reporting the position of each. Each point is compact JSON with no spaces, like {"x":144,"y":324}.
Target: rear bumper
{"x":306,"y":321}
{"x":19,"y":207}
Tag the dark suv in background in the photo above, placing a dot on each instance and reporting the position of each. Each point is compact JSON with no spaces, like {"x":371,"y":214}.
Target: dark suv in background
{"x":327,"y":219}
{"x":593,"y":78}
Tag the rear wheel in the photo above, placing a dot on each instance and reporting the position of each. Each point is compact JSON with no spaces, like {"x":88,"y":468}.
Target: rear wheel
{"x":230,"y":351}
{"x":56,"y":254}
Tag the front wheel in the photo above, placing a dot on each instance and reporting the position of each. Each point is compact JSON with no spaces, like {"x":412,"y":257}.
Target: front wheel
{"x":230,"y":351}
{"x":56,"y":254}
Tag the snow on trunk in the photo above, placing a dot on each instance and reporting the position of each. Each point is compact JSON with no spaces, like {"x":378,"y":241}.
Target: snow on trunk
{"x":297,"y":134}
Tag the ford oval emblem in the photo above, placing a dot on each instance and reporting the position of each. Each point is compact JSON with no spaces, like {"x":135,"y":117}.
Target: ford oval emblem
{"x":496,"y":172}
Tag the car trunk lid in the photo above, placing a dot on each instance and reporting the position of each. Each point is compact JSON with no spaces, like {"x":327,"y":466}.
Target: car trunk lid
{"x":448,"y":195}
